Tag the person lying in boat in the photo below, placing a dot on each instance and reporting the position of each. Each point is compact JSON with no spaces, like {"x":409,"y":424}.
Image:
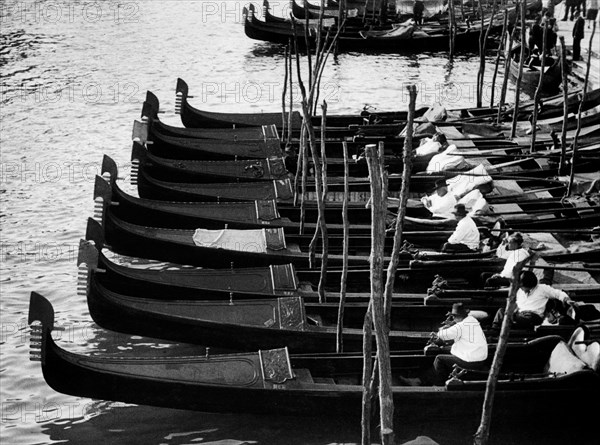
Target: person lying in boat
{"x":466,"y":235}
{"x":512,"y":250}
{"x":469,"y":349}
{"x":441,"y":202}
{"x":532,"y":302}
{"x":447,"y":160}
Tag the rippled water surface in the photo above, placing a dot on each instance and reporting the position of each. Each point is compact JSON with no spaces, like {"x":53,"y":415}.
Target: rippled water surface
{"x":74,"y":75}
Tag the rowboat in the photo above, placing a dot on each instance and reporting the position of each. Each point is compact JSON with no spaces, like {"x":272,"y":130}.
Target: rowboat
{"x":530,"y":75}
{"x":275,"y":382}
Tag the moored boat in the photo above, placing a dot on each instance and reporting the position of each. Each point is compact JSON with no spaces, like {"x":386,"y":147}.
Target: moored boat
{"x":276,"y":382}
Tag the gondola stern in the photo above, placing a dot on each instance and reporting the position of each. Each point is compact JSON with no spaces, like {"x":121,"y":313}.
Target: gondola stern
{"x":95,"y":232}
{"x":40,"y":309}
{"x":149,"y":112}
{"x":151,"y":105}
{"x":110,"y":166}
{"x":182,"y":87}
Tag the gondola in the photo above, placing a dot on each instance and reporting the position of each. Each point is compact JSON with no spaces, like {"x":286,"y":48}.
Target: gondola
{"x":266,"y":213}
{"x":191,"y":117}
{"x":143,"y":278}
{"x":246,"y":325}
{"x":428,"y":40}
{"x":499,"y":163}
{"x":530,"y":76}
{"x":262,"y":247}
{"x":274,"y":382}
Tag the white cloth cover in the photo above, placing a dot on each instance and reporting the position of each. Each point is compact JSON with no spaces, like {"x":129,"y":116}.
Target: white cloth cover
{"x":427,"y":147}
{"x":462,"y":184}
{"x":563,"y":360}
{"x":446,"y":160}
{"x":232,"y":239}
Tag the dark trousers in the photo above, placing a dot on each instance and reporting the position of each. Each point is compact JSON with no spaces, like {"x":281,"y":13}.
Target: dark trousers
{"x":567,"y":8}
{"x":576,"y":49}
{"x":489,"y":280}
{"x":449,"y":248}
{"x":444,"y":363}
{"x":523,"y":320}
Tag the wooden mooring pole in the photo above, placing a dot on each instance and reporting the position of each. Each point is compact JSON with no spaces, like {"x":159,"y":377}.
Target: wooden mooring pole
{"x":565,"y":84}
{"x":497,"y":65}
{"x":538,"y":90}
{"x":378,"y":179}
{"x":580,"y":111}
{"x":507,"y":58}
{"x":513,"y":130}
{"x":483,"y":432}
{"x":407,"y":160}
{"x":346,"y":241}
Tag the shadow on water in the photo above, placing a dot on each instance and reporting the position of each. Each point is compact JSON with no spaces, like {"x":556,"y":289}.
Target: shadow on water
{"x":144,"y":425}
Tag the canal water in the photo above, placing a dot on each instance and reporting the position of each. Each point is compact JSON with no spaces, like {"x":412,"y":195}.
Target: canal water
{"x":74,"y":76}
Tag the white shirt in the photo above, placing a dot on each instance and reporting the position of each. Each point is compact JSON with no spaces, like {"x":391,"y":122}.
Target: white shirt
{"x":512,"y":257}
{"x":470,"y":344}
{"x":441,"y":206}
{"x":466,"y":232}
{"x":536,"y":299}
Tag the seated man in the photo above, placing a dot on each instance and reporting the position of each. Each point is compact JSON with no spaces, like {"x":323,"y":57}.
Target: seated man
{"x":512,"y":250}
{"x":466,"y":235}
{"x":532,"y":299}
{"x":469,"y":350}
{"x":440,"y":203}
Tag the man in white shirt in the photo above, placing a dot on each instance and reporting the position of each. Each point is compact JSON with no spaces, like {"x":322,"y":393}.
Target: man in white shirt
{"x":532,"y":299}
{"x":511,"y":249}
{"x":470,"y":348}
{"x":466,"y":235}
{"x":440,"y":203}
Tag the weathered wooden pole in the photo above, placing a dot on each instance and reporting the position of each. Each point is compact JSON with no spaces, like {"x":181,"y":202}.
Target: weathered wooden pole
{"x":452,"y":24}
{"x":377,"y":178}
{"x":321,"y":223}
{"x":481,"y":58}
{"x":497,"y":65}
{"x":513,"y":130}
{"x":565,"y":87}
{"x":307,"y":42}
{"x":367,"y":392}
{"x":507,"y":62}
{"x":482,"y":48}
{"x":538,"y":91}
{"x":346,"y":241}
{"x":283,"y":96}
{"x":583,"y":97}
{"x":483,"y":432}
{"x":407,"y":160}
{"x":291,"y":77}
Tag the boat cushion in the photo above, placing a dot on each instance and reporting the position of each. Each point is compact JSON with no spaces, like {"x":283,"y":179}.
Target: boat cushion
{"x":563,"y":360}
{"x":283,"y":278}
{"x":232,"y":239}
